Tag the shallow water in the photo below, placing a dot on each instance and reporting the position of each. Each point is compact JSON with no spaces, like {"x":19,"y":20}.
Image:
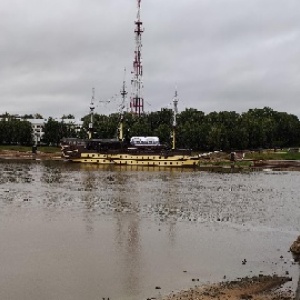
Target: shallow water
{"x":71,"y":231}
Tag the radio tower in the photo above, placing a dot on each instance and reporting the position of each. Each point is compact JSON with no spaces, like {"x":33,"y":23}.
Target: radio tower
{"x":137,"y":100}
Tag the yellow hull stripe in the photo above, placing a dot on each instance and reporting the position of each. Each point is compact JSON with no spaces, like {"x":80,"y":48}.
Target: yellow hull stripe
{"x":138,"y":160}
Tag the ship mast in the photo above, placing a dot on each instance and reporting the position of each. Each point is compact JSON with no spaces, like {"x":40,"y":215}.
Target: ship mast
{"x":123,"y":94}
{"x":137,"y":100}
{"x":175,"y":112}
{"x":92,"y":107}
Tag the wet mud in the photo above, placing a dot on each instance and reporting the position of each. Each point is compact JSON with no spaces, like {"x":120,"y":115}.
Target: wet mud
{"x":255,"y":288}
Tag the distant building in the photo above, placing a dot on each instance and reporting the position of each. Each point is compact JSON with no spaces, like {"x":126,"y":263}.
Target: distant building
{"x":38,"y":125}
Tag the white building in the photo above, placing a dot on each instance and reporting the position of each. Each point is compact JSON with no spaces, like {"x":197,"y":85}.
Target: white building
{"x":38,"y":126}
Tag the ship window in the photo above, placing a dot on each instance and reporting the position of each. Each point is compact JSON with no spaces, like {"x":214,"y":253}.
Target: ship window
{"x":97,"y":160}
{"x":93,"y":155}
{"x":170,"y":163}
{"x":120,"y":156}
{"x":165,"y":162}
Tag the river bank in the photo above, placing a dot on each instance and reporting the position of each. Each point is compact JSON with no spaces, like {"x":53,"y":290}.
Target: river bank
{"x":262,"y":287}
{"x":28,"y":155}
{"x":255,"y":288}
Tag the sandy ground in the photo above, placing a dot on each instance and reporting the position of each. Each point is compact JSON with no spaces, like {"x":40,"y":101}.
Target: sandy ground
{"x":255,"y":288}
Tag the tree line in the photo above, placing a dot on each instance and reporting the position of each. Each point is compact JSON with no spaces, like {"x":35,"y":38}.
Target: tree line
{"x":14,"y":131}
{"x":225,"y":130}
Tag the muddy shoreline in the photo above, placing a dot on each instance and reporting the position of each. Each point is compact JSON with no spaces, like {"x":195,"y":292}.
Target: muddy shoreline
{"x":18,"y":155}
{"x":277,"y":165}
{"x":255,"y":288}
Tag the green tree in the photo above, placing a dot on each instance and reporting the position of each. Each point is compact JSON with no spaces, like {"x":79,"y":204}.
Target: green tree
{"x":54,"y":131}
{"x":24,"y":133}
{"x":69,"y":116}
{"x":38,"y":116}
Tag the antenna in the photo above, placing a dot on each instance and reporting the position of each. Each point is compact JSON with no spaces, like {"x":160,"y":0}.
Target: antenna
{"x":122,"y":106}
{"x":123,"y":93}
{"x":175,"y":108}
{"x":175,"y":112}
{"x":92,"y":107}
{"x":137,"y":100}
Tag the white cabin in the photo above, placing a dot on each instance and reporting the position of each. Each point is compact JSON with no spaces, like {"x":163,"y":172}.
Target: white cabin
{"x":144,"y":140}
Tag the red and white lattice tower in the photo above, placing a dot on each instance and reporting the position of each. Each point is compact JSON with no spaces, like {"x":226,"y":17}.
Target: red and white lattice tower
{"x":137,"y":100}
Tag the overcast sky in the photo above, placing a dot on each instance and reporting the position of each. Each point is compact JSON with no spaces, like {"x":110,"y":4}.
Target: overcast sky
{"x":221,"y":54}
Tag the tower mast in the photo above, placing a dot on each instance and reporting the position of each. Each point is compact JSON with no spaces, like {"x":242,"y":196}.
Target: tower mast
{"x":137,"y":100}
{"x":121,"y":124}
{"x":175,"y":112}
{"x":92,"y":107}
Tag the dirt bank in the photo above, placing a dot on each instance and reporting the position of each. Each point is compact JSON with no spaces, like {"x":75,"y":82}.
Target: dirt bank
{"x":12,"y":154}
{"x":255,"y":288}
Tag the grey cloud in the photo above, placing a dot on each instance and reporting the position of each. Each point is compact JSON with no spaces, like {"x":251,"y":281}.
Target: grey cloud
{"x":222,"y":54}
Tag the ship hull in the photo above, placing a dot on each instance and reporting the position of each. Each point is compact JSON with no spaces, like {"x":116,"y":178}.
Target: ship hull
{"x":154,"y":160}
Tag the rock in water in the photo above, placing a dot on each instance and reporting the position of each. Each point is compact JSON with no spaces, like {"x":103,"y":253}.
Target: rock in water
{"x":295,"y":248}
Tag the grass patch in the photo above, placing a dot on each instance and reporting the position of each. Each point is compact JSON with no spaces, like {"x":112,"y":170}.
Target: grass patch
{"x":273,"y":156}
{"x":15,"y":148}
{"x":49,"y":149}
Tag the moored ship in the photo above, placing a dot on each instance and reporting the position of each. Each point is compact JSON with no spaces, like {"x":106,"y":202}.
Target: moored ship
{"x":139,"y":151}
{"x":100,"y":151}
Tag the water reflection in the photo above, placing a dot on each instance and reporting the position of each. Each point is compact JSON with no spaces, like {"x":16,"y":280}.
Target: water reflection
{"x":14,"y":173}
{"x":51,"y":174}
{"x":165,"y":196}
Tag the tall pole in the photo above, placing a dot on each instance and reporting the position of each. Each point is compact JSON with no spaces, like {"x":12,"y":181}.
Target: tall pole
{"x":175,"y":112}
{"x":137,"y":100}
{"x":92,"y":107}
{"x":123,"y":94}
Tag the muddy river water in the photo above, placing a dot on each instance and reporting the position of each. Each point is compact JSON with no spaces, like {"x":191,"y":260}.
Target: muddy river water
{"x":71,"y":231}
